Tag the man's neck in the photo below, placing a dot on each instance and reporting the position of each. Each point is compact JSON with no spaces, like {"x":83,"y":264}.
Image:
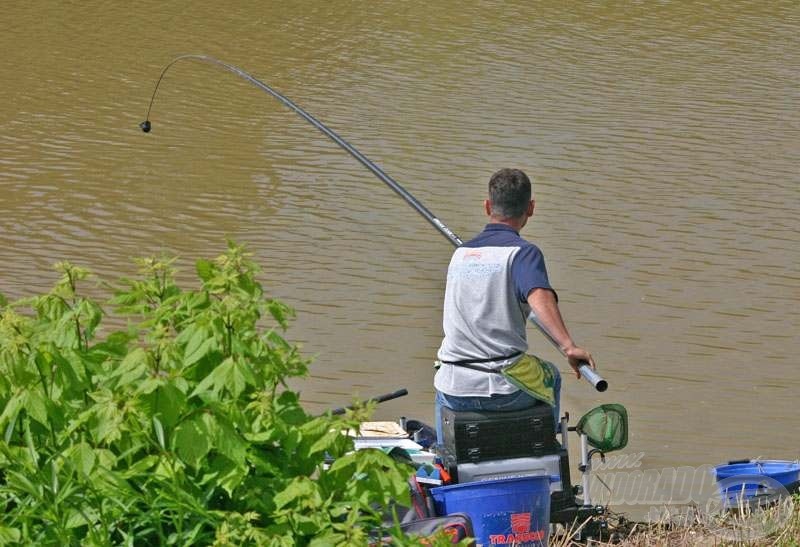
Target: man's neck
{"x":515,"y":223}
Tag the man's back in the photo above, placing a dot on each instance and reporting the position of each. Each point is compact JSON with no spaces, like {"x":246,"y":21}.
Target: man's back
{"x":485,"y":310}
{"x":492,"y":283}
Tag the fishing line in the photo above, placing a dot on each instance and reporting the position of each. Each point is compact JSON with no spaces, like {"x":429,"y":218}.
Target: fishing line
{"x":377,"y":171}
{"x":586,"y":371}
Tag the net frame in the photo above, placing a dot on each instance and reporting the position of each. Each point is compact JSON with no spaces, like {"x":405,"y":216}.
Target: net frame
{"x":605,"y":427}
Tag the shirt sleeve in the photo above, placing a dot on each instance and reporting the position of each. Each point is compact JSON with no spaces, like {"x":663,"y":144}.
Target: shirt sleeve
{"x":528,"y":272}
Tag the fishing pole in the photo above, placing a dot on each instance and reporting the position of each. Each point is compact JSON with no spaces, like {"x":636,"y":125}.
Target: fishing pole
{"x":586,"y":371}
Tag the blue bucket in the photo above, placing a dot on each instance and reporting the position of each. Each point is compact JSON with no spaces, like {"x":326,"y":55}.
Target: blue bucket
{"x":504,"y":511}
{"x":746,"y":480}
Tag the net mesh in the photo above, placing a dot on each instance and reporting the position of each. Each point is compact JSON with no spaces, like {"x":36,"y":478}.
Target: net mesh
{"x":606,"y":427}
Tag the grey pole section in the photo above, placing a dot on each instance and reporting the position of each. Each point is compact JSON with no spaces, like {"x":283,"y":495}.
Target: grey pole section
{"x":586,"y":371}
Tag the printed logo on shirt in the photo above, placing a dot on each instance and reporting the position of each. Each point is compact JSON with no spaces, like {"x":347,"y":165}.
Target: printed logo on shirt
{"x":473,"y":270}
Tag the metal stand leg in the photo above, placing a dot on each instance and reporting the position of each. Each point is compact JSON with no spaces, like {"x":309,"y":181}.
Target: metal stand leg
{"x":586,"y":468}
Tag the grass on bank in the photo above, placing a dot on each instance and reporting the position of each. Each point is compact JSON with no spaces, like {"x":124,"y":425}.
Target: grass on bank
{"x":775,"y":526}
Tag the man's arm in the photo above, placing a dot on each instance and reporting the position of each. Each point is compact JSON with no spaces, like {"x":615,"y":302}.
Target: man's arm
{"x":544,"y":305}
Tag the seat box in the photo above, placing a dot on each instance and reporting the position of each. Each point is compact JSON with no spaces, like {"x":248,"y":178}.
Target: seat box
{"x":478,"y":436}
{"x":549,"y":465}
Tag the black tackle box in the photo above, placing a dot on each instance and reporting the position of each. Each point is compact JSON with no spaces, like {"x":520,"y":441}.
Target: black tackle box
{"x":477,"y":436}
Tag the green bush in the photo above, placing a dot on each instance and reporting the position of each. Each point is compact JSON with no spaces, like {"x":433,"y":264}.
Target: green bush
{"x":177,"y":429}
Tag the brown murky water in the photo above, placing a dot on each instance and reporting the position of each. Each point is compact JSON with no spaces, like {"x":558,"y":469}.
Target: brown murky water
{"x":664,"y":138}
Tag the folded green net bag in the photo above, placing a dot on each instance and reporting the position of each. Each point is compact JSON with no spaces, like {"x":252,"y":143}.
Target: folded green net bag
{"x":534,"y":376}
{"x":605,"y":427}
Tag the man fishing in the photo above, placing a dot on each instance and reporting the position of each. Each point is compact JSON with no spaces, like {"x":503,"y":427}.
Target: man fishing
{"x":493,"y":282}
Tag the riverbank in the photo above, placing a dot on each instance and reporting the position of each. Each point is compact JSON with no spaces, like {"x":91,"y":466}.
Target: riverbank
{"x":777,"y":526}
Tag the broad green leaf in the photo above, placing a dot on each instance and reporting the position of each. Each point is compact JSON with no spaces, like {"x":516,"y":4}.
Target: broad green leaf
{"x":192,"y":441}
{"x":91,"y":315}
{"x":9,"y":536}
{"x":10,"y":429}
{"x":227,"y":440}
{"x":141,"y":467}
{"x":83,"y":457}
{"x":328,"y":538}
{"x":228,"y":475}
{"x":23,"y":485}
{"x":316,"y":427}
{"x":242,"y":377}
{"x":231,"y":375}
{"x":12,"y":408}
{"x":205,"y":269}
{"x":66,"y":377}
{"x":197,"y":301}
{"x":105,"y":458}
{"x":150,"y":384}
{"x":106,"y":420}
{"x":302,"y":492}
{"x":198,"y":347}
{"x":115,"y":344}
{"x":291,"y":438}
{"x":35,"y":405}
{"x":249,"y":286}
{"x":181,"y":384}
{"x":280,"y":312}
{"x":132,"y":367}
{"x":166,"y":401}
{"x":23,"y":371}
{"x":76,"y":519}
{"x":260,"y":437}
{"x":309,"y":523}
{"x":215,"y":381}
{"x":159,"y":429}
{"x":325,"y":442}
{"x":211,"y":426}
{"x":169,"y":468}
{"x":3,"y":300}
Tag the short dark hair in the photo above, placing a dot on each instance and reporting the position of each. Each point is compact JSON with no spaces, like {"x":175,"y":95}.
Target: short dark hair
{"x":510,"y":192}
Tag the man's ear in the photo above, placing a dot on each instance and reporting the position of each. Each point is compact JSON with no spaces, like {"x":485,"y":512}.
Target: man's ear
{"x":531,"y":207}
{"x":487,"y":206}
